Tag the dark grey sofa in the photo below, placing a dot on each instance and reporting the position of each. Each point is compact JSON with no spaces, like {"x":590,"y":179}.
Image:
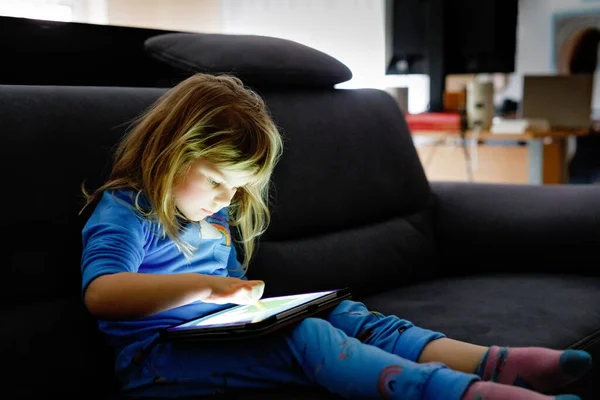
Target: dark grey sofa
{"x":490,"y":264}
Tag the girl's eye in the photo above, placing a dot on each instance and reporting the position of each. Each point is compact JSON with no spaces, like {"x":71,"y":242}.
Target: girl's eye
{"x":213,"y":183}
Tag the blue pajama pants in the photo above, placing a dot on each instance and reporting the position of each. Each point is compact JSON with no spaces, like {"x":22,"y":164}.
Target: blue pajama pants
{"x":352,"y":352}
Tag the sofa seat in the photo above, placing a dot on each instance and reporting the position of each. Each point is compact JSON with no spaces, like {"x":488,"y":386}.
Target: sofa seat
{"x":555,"y":311}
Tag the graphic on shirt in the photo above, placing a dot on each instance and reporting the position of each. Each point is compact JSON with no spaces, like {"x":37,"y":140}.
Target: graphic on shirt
{"x":221,"y":225}
{"x":224,"y":231}
{"x":251,"y":313}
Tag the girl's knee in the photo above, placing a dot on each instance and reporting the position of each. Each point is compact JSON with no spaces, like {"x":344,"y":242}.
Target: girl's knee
{"x":312,"y":330}
{"x":350,"y":306}
{"x":311,"y":325}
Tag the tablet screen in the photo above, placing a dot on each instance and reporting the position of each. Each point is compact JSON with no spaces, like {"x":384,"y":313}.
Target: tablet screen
{"x":250,"y":313}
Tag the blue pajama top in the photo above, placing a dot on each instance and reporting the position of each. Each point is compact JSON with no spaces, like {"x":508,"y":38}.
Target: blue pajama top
{"x":117,"y":239}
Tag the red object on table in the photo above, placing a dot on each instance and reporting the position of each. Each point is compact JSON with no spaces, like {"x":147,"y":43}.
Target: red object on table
{"x":441,"y":121}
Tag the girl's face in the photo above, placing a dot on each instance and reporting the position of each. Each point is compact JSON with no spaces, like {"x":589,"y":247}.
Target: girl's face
{"x":205,"y":189}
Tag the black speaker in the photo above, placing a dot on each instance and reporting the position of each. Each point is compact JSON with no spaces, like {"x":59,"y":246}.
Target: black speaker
{"x":480,"y":36}
{"x":442,"y":37}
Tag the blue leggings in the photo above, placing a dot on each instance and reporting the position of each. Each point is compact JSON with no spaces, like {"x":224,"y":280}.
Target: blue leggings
{"x":353,"y":353}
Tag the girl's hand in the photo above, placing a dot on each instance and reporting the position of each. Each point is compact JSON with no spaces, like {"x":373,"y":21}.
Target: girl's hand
{"x":226,"y":290}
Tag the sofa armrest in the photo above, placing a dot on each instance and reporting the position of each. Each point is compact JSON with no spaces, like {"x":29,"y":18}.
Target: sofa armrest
{"x":501,"y":228}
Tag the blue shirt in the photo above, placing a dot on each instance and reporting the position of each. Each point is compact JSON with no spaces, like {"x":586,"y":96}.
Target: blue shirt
{"x":117,"y":238}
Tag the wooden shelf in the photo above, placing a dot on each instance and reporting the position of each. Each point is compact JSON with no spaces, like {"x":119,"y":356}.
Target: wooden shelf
{"x":545,"y":161}
{"x":487,"y":135}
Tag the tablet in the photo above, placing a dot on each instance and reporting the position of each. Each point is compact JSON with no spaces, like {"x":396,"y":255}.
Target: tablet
{"x":246,"y":321}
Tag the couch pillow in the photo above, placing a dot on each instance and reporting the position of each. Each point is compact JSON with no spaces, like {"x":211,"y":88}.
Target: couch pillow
{"x":254,"y":59}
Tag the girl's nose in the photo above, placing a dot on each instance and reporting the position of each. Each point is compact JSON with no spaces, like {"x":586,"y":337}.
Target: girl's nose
{"x":224,"y":197}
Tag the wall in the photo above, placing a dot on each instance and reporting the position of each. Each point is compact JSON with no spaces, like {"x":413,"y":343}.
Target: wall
{"x":350,"y":30}
{"x":183,"y":15}
{"x":535,"y":40}
{"x":178,"y":15}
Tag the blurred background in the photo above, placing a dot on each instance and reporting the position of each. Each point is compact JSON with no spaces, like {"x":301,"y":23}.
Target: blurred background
{"x":494,"y":91}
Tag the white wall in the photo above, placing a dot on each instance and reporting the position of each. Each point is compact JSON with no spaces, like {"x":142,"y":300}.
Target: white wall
{"x":352,"y":31}
{"x":182,"y":15}
{"x":53,"y":10}
{"x":178,"y":15}
{"x":534,"y":40}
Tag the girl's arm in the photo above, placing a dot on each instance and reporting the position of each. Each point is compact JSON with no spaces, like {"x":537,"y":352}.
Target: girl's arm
{"x":130,"y":295}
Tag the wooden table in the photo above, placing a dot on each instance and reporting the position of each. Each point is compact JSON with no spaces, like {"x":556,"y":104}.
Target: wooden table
{"x":546,"y":151}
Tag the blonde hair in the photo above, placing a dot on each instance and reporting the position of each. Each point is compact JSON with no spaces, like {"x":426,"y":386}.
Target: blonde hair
{"x":205,"y":116}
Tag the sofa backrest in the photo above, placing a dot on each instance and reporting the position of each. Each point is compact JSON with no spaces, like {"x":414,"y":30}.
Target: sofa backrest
{"x":53,"y":138}
{"x":350,"y":201}
{"x":350,"y":207}
{"x":86,"y":54}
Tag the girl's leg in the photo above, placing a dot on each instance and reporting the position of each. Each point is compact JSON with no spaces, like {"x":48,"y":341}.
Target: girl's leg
{"x":389,"y":333}
{"x":312,"y":353}
{"x":457,"y":355}
{"x":537,"y":368}
{"x":173,"y":370}
{"x":353,"y":369}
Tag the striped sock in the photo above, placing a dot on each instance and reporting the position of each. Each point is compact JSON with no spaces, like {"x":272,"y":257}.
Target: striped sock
{"x":536,"y":368}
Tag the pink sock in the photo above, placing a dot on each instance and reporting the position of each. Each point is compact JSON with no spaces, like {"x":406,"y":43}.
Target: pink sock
{"x":496,"y":391}
{"x":536,"y":368}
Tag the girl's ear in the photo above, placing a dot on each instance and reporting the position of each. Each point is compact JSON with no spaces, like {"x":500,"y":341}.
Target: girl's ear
{"x":238,"y":197}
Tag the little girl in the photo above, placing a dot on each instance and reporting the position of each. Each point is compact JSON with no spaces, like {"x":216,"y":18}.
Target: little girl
{"x":158,"y":251}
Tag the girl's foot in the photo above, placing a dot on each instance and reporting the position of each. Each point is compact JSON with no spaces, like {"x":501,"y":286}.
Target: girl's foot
{"x":495,"y":391}
{"x":535,"y":368}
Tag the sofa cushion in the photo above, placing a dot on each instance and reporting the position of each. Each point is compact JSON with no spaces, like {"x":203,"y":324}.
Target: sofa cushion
{"x":54,"y":138}
{"x":547,"y":310}
{"x":350,"y":201}
{"x":289,"y":392}
{"x":349,"y":161}
{"x":369,"y":258}
{"x":258,"y":60}
{"x":517,"y":310}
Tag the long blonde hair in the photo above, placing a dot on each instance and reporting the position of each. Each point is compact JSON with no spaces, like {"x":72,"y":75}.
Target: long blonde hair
{"x":205,"y":116}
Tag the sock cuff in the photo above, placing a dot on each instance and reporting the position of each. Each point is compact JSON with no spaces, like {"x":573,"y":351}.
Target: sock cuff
{"x":492,"y":368}
{"x":447,"y":383}
{"x":481,"y":366}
